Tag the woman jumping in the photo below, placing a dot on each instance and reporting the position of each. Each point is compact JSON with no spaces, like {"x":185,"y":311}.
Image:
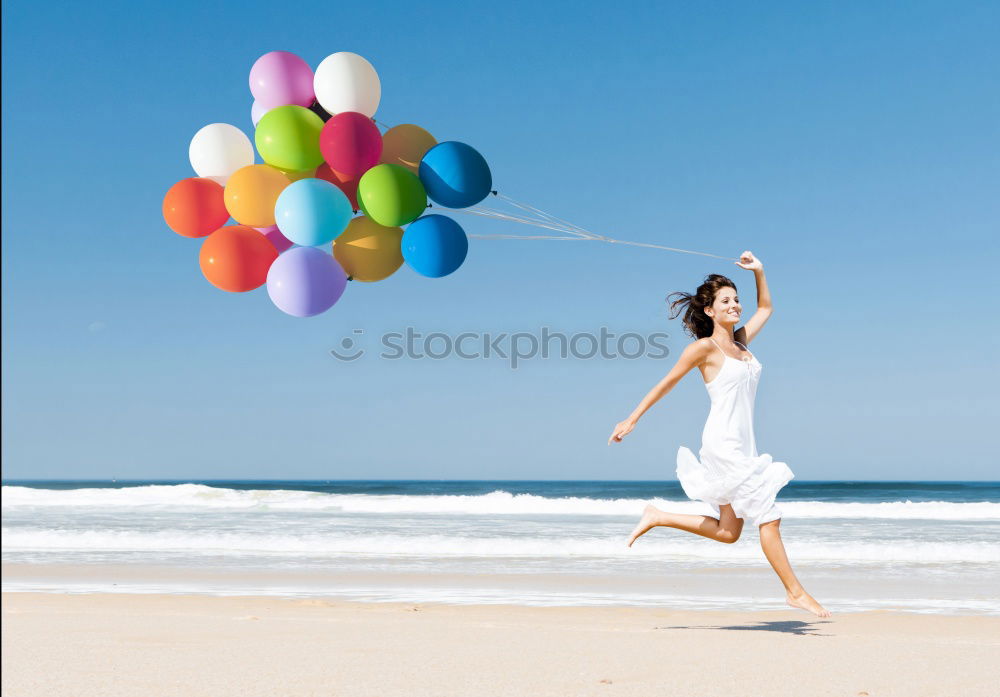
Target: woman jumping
{"x":730,"y":476}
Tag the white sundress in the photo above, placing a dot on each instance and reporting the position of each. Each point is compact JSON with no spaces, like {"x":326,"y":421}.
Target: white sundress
{"x":730,"y":470}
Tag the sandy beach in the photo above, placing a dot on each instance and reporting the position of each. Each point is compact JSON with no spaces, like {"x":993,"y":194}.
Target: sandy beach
{"x":133,"y":644}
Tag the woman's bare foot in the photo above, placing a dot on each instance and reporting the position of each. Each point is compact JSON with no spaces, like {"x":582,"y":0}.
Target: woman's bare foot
{"x":804,"y":601}
{"x":646,"y":523}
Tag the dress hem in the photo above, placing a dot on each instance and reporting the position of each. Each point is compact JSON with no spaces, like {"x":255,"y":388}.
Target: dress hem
{"x":752,"y":496}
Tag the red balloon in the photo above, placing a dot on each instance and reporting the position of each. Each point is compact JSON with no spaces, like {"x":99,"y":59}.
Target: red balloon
{"x":195,"y":207}
{"x":349,"y":185}
{"x":351,"y":143}
{"x":236,"y":258}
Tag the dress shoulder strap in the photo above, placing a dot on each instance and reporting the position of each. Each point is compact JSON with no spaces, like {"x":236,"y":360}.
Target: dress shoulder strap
{"x":745,"y":349}
{"x":717,"y":346}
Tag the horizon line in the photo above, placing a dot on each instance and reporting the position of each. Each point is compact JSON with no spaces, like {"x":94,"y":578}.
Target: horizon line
{"x":657,"y":481}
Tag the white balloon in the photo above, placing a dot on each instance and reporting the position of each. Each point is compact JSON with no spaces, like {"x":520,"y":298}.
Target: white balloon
{"x":347,"y":82}
{"x":218,"y":150}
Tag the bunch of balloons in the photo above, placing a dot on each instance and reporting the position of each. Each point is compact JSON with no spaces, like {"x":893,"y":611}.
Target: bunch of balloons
{"x":297,"y":223}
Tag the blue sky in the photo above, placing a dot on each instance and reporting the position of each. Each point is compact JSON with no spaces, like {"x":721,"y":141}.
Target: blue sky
{"x":853,"y":146}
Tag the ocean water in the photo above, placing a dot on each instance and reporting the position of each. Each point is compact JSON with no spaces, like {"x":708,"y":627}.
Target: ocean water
{"x":916,"y":546}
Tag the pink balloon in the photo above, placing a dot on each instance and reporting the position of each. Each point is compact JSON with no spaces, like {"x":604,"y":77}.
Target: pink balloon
{"x":351,"y":143}
{"x":274,"y":236}
{"x":279,"y":78}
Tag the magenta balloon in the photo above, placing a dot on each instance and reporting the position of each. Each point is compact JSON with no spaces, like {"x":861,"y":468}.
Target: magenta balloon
{"x":279,"y":78}
{"x":351,"y":143}
{"x":305,"y":281}
{"x":274,"y":236}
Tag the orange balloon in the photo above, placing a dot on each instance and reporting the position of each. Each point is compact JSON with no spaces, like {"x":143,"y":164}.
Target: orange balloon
{"x":195,"y":207}
{"x":405,"y":145}
{"x":236,"y":258}
{"x":251,"y":193}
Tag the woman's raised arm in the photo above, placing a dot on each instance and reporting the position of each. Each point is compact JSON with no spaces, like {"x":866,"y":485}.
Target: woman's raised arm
{"x":748,"y":331}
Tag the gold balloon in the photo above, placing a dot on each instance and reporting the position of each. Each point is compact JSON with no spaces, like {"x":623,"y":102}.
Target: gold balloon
{"x":405,"y":145}
{"x":252,"y":192}
{"x":295,"y":176}
{"x":368,"y":251}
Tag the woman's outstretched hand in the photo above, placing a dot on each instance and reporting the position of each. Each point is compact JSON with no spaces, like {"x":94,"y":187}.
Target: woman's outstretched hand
{"x":621,"y":430}
{"x":749,"y":261}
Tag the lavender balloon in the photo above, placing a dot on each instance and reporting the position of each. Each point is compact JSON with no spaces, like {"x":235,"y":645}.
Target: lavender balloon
{"x":257,"y":111}
{"x":279,"y":78}
{"x":274,"y":236}
{"x":305,"y":281}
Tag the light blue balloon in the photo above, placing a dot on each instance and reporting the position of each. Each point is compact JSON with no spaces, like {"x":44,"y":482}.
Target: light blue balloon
{"x":312,"y":212}
{"x":434,"y":245}
{"x":455,"y":175}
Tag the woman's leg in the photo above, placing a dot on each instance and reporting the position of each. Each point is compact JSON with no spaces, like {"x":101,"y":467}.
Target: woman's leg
{"x":726,"y":528}
{"x":774,"y":550}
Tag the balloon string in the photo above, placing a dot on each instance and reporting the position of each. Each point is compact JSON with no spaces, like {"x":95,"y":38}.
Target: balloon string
{"x":550,"y":222}
{"x":612,"y":240}
{"x":539,"y":218}
{"x":526,"y":219}
{"x":536,"y":211}
{"x":521,"y":237}
{"x":541,"y":222}
{"x":490,"y":213}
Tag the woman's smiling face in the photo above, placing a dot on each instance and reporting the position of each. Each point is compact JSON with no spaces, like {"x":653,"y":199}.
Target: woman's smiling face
{"x":726,"y":309}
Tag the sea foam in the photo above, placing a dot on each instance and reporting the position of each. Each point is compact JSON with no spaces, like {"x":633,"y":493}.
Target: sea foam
{"x":333,"y":545}
{"x":499,"y":502}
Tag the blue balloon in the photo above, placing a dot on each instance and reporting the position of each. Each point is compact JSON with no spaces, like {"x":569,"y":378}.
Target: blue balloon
{"x":434,"y":245}
{"x":312,"y":212}
{"x":455,"y":175}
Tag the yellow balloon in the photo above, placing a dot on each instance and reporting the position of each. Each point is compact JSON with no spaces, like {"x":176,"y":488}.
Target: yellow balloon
{"x":295,"y":176}
{"x":405,"y":145}
{"x":368,"y":251}
{"x":252,"y":192}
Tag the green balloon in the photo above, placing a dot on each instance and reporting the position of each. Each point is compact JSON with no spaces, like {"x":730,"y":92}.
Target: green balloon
{"x":288,"y":137}
{"x":391,"y":195}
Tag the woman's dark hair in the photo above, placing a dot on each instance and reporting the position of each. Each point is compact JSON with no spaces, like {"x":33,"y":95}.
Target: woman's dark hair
{"x":696,"y":322}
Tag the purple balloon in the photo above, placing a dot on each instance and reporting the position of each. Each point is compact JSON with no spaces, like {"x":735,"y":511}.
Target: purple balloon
{"x":279,"y":78}
{"x":274,"y":236}
{"x":257,"y":111}
{"x":305,"y":281}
